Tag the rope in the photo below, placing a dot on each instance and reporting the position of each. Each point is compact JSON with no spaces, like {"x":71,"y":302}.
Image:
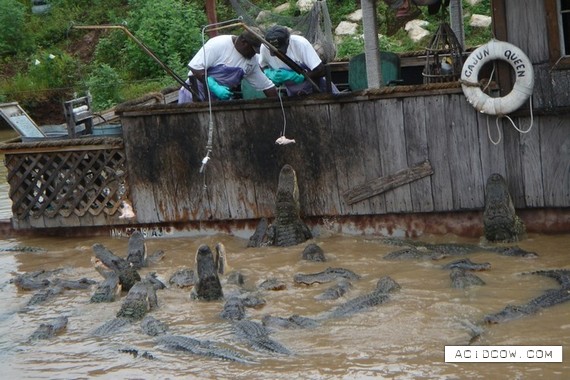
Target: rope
{"x":512,"y":123}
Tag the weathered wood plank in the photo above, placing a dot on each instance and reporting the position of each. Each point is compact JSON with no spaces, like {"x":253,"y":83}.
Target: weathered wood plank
{"x":389,"y":182}
{"x":555,"y":152}
{"x":371,"y":148}
{"x":467,"y":184}
{"x":417,"y":151}
{"x":438,"y":131}
{"x":392,"y":145}
{"x":531,"y":161}
{"x":513,"y":163}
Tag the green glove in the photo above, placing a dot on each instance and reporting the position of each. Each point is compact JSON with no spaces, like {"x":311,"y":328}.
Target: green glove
{"x":272,"y":75}
{"x":221,"y":92}
{"x":284,"y":75}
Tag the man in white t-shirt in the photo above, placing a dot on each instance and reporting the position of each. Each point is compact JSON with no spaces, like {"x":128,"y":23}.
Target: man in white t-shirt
{"x":298,"y":49}
{"x":221,"y":64}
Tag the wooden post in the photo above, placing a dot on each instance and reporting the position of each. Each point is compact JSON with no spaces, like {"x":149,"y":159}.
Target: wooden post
{"x":212,"y":16}
{"x":371,"y":50}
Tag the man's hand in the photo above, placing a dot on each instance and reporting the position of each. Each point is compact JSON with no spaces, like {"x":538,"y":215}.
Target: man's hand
{"x":272,"y":75}
{"x":284,"y":75}
{"x":222,"y":92}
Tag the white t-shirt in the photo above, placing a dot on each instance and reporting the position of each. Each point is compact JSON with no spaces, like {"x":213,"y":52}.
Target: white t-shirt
{"x":220,"y":50}
{"x":300,"y":50}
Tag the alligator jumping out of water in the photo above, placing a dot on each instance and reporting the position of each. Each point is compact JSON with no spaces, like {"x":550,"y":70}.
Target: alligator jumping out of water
{"x":136,"y":254}
{"x":287,"y":228}
{"x":140,"y":300}
{"x":127,"y":274}
{"x":500,"y":221}
{"x":208,"y":286}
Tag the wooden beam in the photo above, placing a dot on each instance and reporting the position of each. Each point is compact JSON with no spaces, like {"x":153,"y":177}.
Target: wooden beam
{"x":383,"y":184}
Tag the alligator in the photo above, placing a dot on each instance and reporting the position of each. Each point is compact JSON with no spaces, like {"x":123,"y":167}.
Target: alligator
{"x":421,"y":250}
{"x":562,"y":276}
{"x":234,"y":309}
{"x":23,"y":249}
{"x":108,"y":290}
{"x":328,"y":275}
{"x":111,"y":327}
{"x":260,"y":237}
{"x":461,"y":279}
{"x":202,"y":348}
{"x":140,"y":300}
{"x":335,"y":291}
{"x":257,"y":336}
{"x":135,"y":353}
{"x":313,"y":252}
{"x":34,"y":280}
{"x":152,"y":326}
{"x":413,"y":253}
{"x":500,"y":221}
{"x":208,"y":286}
{"x":287,"y":228}
{"x":378,"y":296}
{"x":49,"y":329}
{"x":467,"y":264}
{"x":127,"y":274}
{"x":293,"y":322}
{"x":44,"y":295}
{"x":272,"y":284}
{"x":514,"y":251}
{"x":156,"y":283}
{"x":220,"y":259}
{"x":136,"y":251}
{"x":550,"y":298}
{"x":182,"y":278}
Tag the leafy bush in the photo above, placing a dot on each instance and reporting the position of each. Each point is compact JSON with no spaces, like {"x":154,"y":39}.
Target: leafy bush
{"x":53,"y":70}
{"x":104,"y":84}
{"x":12,"y":30}
{"x":169,"y":28}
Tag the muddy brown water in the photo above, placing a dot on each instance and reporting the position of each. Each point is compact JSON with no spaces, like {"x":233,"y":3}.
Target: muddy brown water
{"x":403,"y":338}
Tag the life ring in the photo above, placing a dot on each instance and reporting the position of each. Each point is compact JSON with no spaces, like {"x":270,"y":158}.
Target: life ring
{"x":522,"y":88}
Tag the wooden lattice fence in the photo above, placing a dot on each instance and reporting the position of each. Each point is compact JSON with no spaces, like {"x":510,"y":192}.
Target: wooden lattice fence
{"x":66,"y":181}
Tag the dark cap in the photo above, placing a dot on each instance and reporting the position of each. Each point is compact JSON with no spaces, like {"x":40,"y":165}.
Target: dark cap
{"x":278,"y":36}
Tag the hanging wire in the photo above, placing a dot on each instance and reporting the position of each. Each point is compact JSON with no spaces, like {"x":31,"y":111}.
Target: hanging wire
{"x":210,"y":116}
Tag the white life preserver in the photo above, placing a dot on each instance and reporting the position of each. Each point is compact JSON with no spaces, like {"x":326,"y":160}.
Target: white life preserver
{"x":522,"y":88}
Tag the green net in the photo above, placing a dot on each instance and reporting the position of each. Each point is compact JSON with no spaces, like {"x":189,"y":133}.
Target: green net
{"x":315,"y":25}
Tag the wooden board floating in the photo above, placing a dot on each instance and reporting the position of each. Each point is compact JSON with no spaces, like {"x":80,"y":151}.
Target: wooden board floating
{"x":383,"y":184}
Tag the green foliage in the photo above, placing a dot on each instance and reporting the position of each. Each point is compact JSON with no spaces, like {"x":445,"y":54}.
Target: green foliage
{"x":349,"y":47}
{"x":12,"y":30}
{"x":53,"y":70}
{"x":169,"y":28}
{"x":104,"y":84}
